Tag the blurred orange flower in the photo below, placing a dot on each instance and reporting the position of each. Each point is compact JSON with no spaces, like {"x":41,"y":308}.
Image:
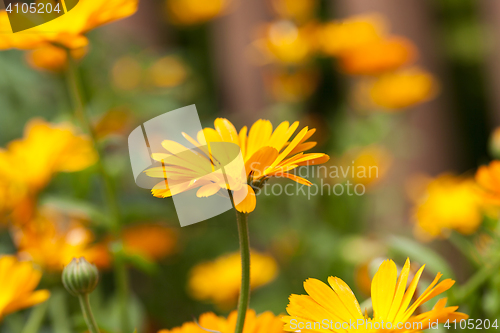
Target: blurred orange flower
{"x":285,"y":42}
{"x":52,"y":239}
{"x":292,"y":85}
{"x":189,"y":12}
{"x":19,"y":280}
{"x":68,"y":29}
{"x":266,"y":322}
{"x":338,"y":37}
{"x":169,"y":71}
{"x":402,"y":89}
{"x":378,"y":57}
{"x":297,"y":10}
{"x":488,"y":177}
{"x":218,"y":281}
{"x":368,"y":164}
{"x":52,"y":58}
{"x":45,"y":150}
{"x":153,"y":241}
{"x":448,"y":203}
{"x":117,"y":121}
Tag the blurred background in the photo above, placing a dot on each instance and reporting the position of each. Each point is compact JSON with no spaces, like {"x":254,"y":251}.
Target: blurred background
{"x":419,"y":100}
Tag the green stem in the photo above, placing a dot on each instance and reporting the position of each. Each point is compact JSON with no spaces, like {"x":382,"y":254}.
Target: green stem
{"x":36,"y":318}
{"x":121,"y":278}
{"x":87,"y":313}
{"x":77,"y":94}
{"x":244,"y":298}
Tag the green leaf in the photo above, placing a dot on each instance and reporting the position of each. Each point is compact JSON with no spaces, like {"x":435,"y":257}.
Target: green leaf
{"x":422,"y":254}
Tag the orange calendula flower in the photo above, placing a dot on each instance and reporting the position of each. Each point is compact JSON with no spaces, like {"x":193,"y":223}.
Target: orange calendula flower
{"x":219,"y":281}
{"x":297,"y":10}
{"x":189,"y":12}
{"x":169,"y":71}
{"x":366,"y":165}
{"x":45,"y":150}
{"x":266,"y":154}
{"x":391,"y":300}
{"x":266,"y":322}
{"x":52,"y":58}
{"x":488,"y":178}
{"x":338,"y":37}
{"x":402,"y":89}
{"x":67,"y":30}
{"x":285,"y":42}
{"x":378,"y":57}
{"x":153,"y":241}
{"x":292,"y":85}
{"x":19,"y":280}
{"x":53,"y":239}
{"x":449,"y":203}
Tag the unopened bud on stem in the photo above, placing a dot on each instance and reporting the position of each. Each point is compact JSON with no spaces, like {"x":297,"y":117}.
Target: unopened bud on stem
{"x":80,"y":277}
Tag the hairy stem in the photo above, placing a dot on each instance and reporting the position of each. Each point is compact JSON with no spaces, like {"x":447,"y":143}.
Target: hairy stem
{"x":87,"y":313}
{"x":244,"y":298}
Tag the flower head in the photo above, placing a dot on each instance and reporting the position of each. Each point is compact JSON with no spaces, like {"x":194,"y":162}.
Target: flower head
{"x":52,"y":58}
{"x":190,"y":12}
{"x":45,"y":150}
{"x":67,"y":30}
{"x":52,"y":239}
{"x":286,"y":43}
{"x":391,"y":299}
{"x":19,"y":280}
{"x":488,"y":178}
{"x":153,"y":241}
{"x":266,"y":322}
{"x":338,"y":37}
{"x":449,"y":203}
{"x":378,"y":57}
{"x":218,"y":281}
{"x":266,"y":154}
{"x":402,"y":89}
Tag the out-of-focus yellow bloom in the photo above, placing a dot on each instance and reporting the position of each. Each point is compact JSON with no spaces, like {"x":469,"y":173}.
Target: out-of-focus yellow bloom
{"x":219,"y":281}
{"x":266,"y":322}
{"x":45,"y":150}
{"x":287,"y":43}
{"x":366,"y":165}
{"x":378,"y":57}
{"x":391,"y":297}
{"x":292,"y":85}
{"x":338,"y":37}
{"x":114,"y":122}
{"x":52,"y":58}
{"x":402,"y":89}
{"x":266,"y":154}
{"x":19,"y":280}
{"x":296,"y":10}
{"x":126,"y":73}
{"x":68,"y":29}
{"x":53,"y":239}
{"x":153,"y":241}
{"x":488,"y":178}
{"x":189,"y":12}
{"x":167,"y":72}
{"x":448,"y":203}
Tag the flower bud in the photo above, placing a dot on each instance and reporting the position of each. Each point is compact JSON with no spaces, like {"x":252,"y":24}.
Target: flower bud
{"x":80,"y":277}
